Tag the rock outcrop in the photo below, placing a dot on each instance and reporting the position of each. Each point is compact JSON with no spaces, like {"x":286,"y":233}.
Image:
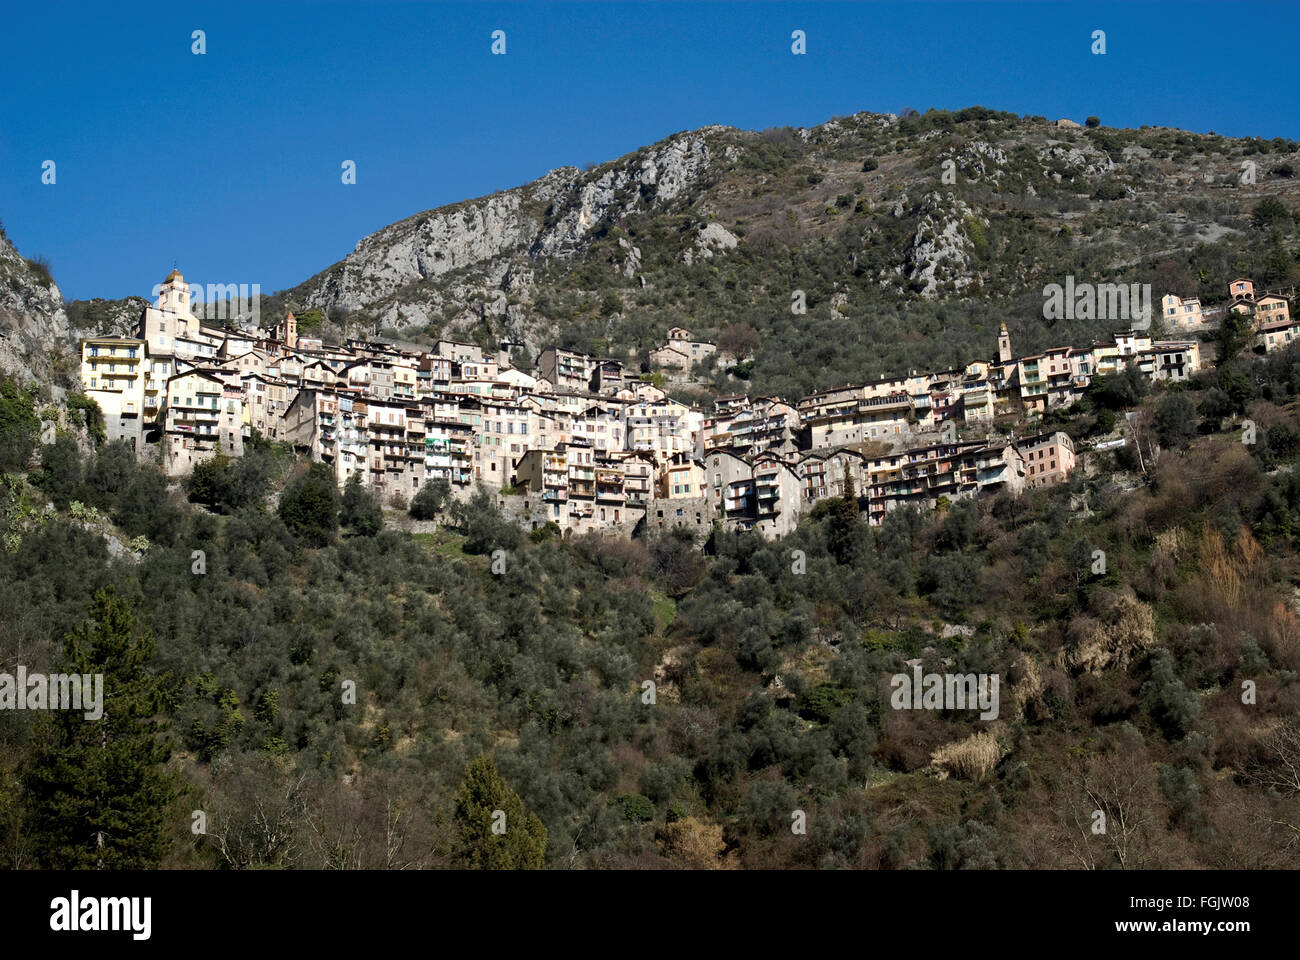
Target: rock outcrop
{"x":941,"y":247}
{"x":36,"y":339}
{"x":480,"y":249}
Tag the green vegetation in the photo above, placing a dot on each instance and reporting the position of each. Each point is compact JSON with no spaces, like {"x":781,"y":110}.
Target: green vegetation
{"x":100,"y":795}
{"x":430,"y":500}
{"x":19,"y":425}
{"x":493,"y":831}
{"x":309,"y":506}
{"x":359,"y":510}
{"x":478,"y":690}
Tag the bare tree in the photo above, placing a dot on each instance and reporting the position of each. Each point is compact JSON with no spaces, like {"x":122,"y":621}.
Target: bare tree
{"x":1111,"y":808}
{"x":1277,"y":769}
{"x":258,"y":816}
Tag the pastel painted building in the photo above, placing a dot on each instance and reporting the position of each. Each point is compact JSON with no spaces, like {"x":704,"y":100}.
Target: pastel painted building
{"x":1180,"y":312}
{"x":1049,"y":458}
{"x":114,"y":371}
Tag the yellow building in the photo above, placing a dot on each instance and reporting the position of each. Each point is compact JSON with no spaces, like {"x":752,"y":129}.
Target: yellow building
{"x":113,"y":374}
{"x":1180,"y":312}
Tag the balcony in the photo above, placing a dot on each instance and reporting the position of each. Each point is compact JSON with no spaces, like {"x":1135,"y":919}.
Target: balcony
{"x":877,"y":403}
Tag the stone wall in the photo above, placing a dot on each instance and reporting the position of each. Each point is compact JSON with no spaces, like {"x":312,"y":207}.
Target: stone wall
{"x":695,"y":513}
{"x":530,"y":513}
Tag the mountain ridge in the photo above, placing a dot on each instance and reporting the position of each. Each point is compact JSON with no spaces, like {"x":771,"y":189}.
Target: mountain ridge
{"x":883,"y":220}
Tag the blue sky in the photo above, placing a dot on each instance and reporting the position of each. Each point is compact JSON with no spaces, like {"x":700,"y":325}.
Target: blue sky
{"x":229,"y":163}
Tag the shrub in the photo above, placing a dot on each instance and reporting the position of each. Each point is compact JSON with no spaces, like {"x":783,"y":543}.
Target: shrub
{"x":821,"y":703}
{"x":359,"y":511}
{"x":430,"y":500}
{"x":1176,"y":421}
{"x":92,"y":416}
{"x":1167,"y":698}
{"x":309,"y":506}
{"x":19,"y":426}
{"x":230,"y":484}
{"x":636,"y":808}
{"x":484,"y":528}
{"x":545,"y":532}
{"x":971,"y":759}
{"x":61,"y":471}
{"x":1268,"y":212}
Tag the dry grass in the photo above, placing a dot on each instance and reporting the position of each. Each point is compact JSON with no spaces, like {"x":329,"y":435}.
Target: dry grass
{"x":971,"y":759}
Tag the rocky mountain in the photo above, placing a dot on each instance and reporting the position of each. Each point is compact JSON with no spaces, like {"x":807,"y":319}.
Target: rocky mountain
{"x":35,"y":333}
{"x":911,"y":239}
{"x":427,"y":268}
{"x":100,"y":317}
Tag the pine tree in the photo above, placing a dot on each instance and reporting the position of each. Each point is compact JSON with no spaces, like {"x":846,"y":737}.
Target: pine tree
{"x":843,"y":522}
{"x":485,"y":800}
{"x":99,"y":793}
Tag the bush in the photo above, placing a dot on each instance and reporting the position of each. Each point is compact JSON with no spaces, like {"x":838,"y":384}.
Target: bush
{"x":209,"y":481}
{"x":1176,"y":421}
{"x":143,"y":507}
{"x":430,"y":500}
{"x":636,"y":808}
{"x":1268,"y":212}
{"x":1092,"y":122}
{"x":309,"y":506}
{"x":231,"y":484}
{"x":1167,"y":698}
{"x":60,"y":474}
{"x":869,"y":164}
{"x":484,"y":528}
{"x":112,"y":470}
{"x":548,"y":531}
{"x":91,"y":415}
{"x":360,"y":511}
{"x":1283,"y":441}
{"x":822,"y":702}
{"x":19,"y":426}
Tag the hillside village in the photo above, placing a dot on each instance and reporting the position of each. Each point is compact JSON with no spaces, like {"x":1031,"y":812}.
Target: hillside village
{"x":583,"y":443}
